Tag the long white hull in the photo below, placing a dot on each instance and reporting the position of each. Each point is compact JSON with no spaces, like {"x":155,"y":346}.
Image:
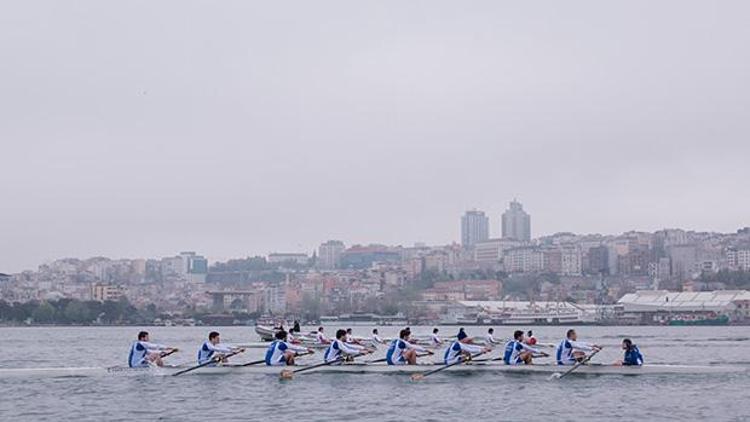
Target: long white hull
{"x":380,"y":368}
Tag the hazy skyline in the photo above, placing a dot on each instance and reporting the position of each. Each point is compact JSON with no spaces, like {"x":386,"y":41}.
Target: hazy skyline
{"x":139,"y":129}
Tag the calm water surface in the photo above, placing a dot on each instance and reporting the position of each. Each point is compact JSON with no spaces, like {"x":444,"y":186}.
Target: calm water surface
{"x":333,"y":397}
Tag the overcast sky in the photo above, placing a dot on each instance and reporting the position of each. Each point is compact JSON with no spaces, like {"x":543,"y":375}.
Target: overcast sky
{"x":232,"y":128}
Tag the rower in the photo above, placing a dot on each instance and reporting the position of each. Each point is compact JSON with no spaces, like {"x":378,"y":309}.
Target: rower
{"x":143,"y":352}
{"x":518,"y":352}
{"x":489,"y":339}
{"x":462,"y":349}
{"x":339,"y":349}
{"x":213,"y":347}
{"x":633,"y":356}
{"x":402,"y":352}
{"x":350,"y":338}
{"x":375,"y":340}
{"x":570,"y":350}
{"x":281,"y":352}
{"x":321,"y":338}
{"x":530,"y":339}
{"x":296,"y":328}
{"x":436,"y":341}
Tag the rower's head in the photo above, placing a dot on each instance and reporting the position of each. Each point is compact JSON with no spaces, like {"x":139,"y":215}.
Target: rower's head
{"x":571,"y":335}
{"x":435,"y":331}
{"x":627,"y":344}
{"x":518,"y":335}
{"x":320,"y":329}
{"x":340,"y":334}
{"x":491,"y":331}
{"x":463,"y":337}
{"x":348,"y":330}
{"x":375,"y":331}
{"x":530,"y":334}
{"x":143,"y":336}
{"x":214,"y":338}
{"x":403,"y":334}
{"x":281,"y":335}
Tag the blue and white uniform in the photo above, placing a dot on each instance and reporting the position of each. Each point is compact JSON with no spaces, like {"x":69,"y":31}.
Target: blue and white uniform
{"x":275,"y":352}
{"x":138,"y":352}
{"x":453,"y":352}
{"x":337,"y":348}
{"x":395,"y":353}
{"x":207,"y":351}
{"x":513,"y":349}
{"x":633,"y":357}
{"x":564,"y":351}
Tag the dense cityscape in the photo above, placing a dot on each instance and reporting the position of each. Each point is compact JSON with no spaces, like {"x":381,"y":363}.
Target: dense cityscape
{"x":670,"y":276}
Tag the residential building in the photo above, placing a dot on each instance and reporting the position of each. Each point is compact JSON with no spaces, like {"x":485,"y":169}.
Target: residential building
{"x":475,"y":227}
{"x":329,"y":254}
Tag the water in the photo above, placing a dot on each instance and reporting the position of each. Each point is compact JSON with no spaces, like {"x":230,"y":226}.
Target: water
{"x":331,"y":397}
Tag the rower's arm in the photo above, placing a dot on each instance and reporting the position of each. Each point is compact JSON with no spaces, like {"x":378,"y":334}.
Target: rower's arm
{"x":219,"y":348}
{"x":530,"y":349}
{"x":296,"y":348}
{"x":153,"y":346}
{"x":416,"y":347}
{"x":471,"y":348}
{"x":580,"y":345}
{"x":349,"y":349}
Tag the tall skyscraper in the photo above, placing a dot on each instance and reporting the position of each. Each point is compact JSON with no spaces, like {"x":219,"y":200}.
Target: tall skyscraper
{"x":329,"y":254}
{"x":475,"y":227}
{"x":516,"y":222}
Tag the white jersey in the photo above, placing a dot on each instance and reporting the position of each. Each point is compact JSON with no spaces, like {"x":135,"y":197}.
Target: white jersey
{"x":321,"y":338}
{"x":453,"y":352}
{"x":207,"y":351}
{"x":436,"y":340}
{"x":138,"y":352}
{"x":376,"y":340}
{"x":564,"y":351}
{"x":490,"y":339}
{"x":338,"y":348}
{"x":395,"y":353}
{"x":277,"y":349}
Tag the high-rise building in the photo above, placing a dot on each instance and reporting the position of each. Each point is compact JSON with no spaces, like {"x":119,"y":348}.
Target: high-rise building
{"x":475,"y":227}
{"x":516,"y":222}
{"x":329,"y":254}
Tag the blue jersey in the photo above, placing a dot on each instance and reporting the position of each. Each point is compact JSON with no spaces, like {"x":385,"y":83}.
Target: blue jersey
{"x":395,"y":353}
{"x":276,"y":351}
{"x":139,"y":351}
{"x":633,"y":357}
{"x":337,"y":348}
{"x":453,"y":352}
{"x":207,"y":351}
{"x":513,"y":349}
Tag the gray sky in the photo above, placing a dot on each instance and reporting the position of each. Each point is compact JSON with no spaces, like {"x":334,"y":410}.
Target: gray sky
{"x":142,"y":128}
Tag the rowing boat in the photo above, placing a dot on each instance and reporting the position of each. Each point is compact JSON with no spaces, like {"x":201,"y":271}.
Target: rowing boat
{"x":381,"y":368}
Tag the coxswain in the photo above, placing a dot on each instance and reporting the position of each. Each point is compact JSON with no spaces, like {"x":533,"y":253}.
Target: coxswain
{"x":338,"y":350}
{"x":402,"y":352}
{"x":570,"y":350}
{"x":530,"y":339}
{"x":321,"y":338}
{"x":143,"y":352}
{"x":281,"y":352}
{"x":435,"y":338}
{"x":462,"y":349}
{"x":518,"y":352}
{"x":633,"y":356}
{"x":213,"y":347}
{"x":489,"y":339}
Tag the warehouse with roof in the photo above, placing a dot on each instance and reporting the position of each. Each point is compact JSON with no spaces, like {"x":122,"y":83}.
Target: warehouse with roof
{"x":685,"y":308}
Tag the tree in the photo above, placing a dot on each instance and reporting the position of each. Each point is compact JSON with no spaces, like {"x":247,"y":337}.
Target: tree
{"x":78,"y":313}
{"x":44,"y":313}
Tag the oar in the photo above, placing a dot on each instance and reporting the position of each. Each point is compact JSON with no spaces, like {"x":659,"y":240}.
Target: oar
{"x":212,"y":360}
{"x":258,"y":362}
{"x":288,"y":374}
{"x":578,"y":364}
{"x":419,"y":376}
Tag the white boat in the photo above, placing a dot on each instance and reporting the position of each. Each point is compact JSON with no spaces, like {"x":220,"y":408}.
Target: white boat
{"x":381,"y":368}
